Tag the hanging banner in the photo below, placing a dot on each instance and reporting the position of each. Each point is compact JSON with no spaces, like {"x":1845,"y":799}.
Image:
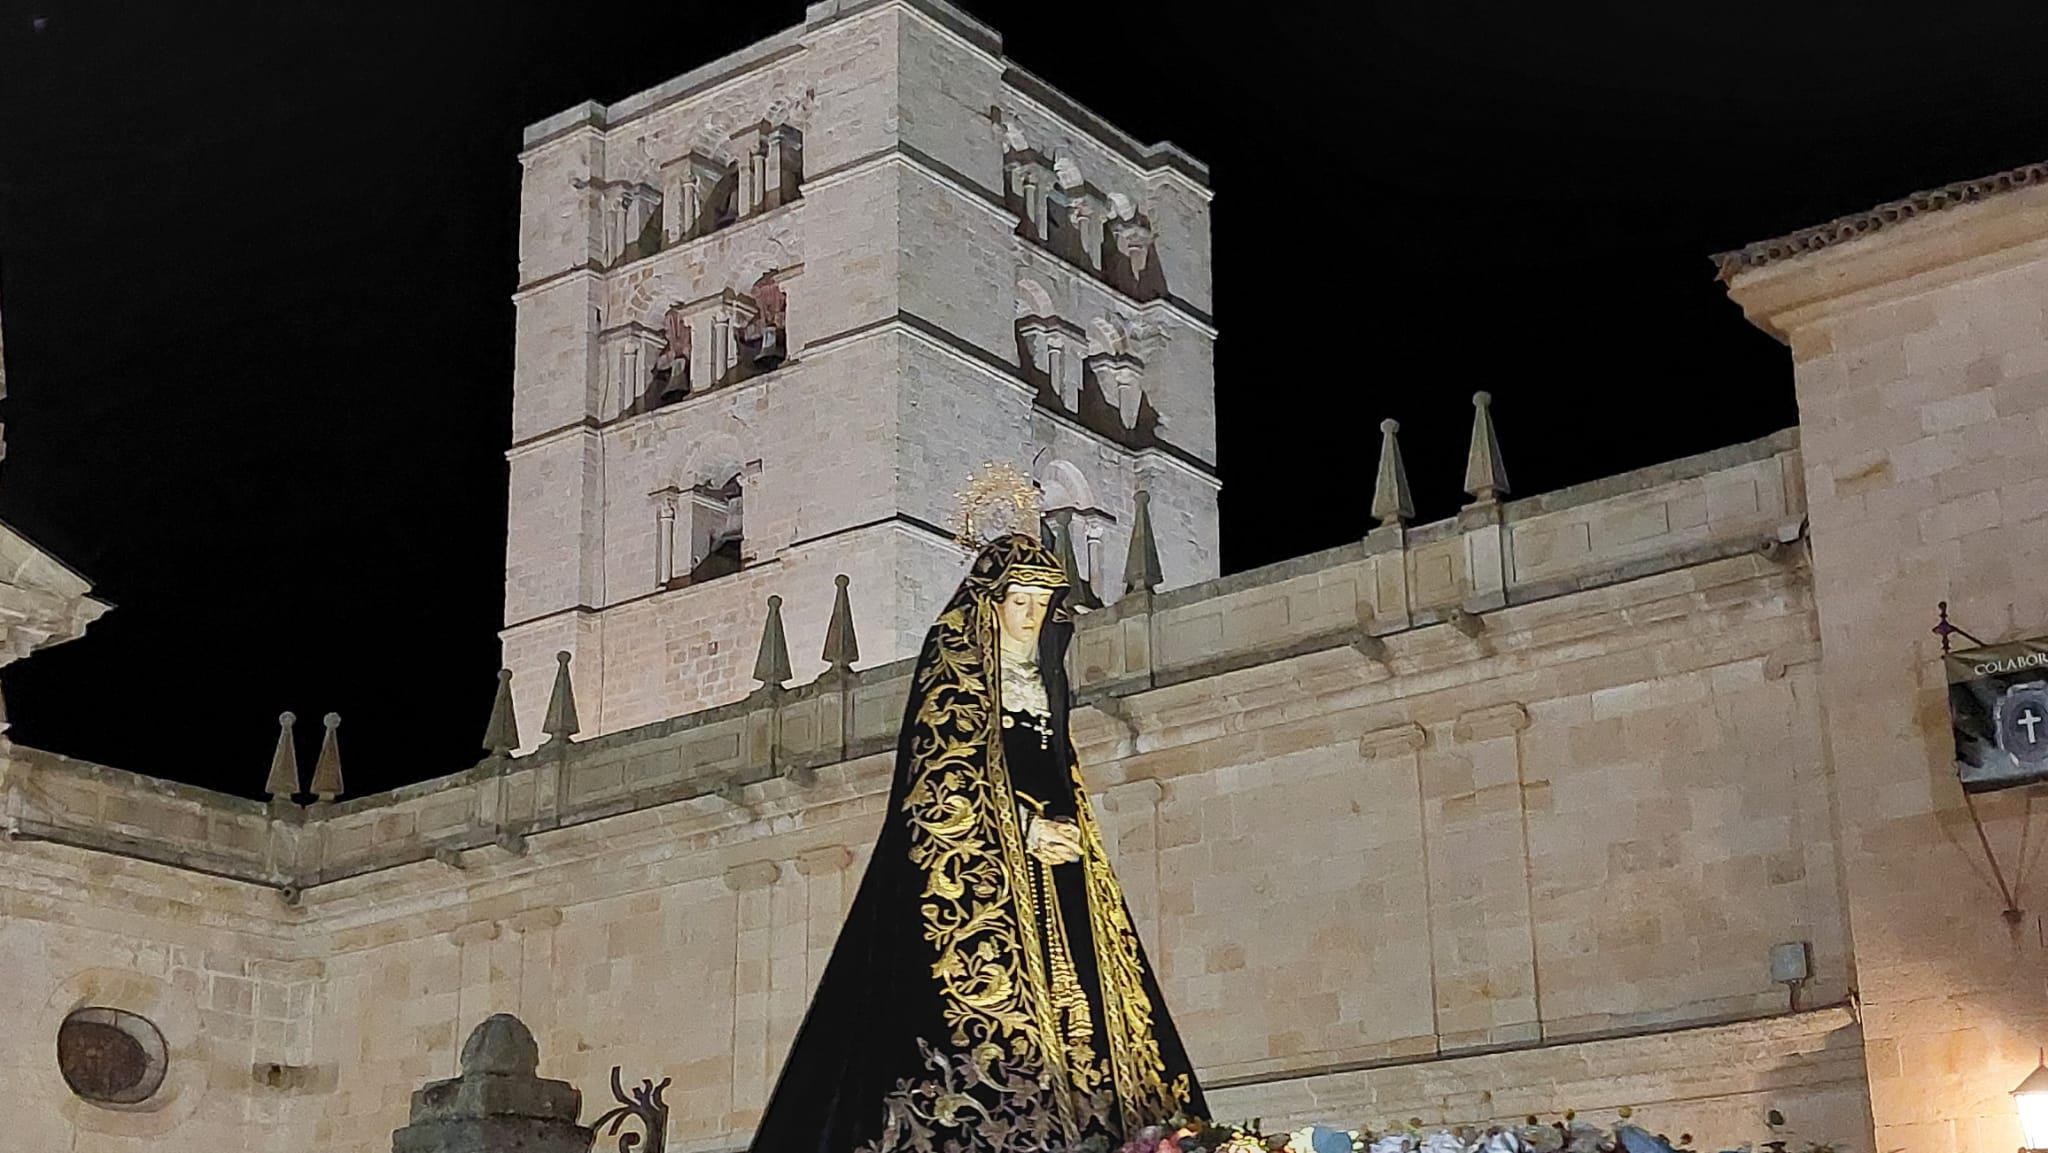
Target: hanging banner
{"x":1998,"y":706}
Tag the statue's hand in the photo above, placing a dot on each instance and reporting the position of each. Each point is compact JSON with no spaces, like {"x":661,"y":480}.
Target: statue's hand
{"x":1056,"y":842}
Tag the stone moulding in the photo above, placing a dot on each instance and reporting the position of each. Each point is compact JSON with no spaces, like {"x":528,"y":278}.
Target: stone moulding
{"x":1846,"y":228}
{"x":752,"y":875}
{"x":1790,"y":657}
{"x":1393,"y":741}
{"x":1777,"y":1054}
{"x":820,"y":862}
{"x":1375,"y":603}
{"x":1491,"y":722}
{"x":591,"y":116}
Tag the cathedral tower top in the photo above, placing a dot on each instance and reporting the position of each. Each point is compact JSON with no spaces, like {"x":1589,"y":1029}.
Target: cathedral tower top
{"x":773,"y":313}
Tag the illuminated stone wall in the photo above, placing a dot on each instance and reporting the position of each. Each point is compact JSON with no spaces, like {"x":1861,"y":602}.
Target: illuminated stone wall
{"x":1392,"y":859}
{"x":1501,"y":814}
{"x":1921,"y":358}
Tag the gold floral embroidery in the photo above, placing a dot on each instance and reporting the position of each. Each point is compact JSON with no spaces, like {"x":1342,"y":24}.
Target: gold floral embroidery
{"x":971,"y":1108}
{"x":977,"y":905}
{"x":1022,"y":1066}
{"x":1135,"y":1062}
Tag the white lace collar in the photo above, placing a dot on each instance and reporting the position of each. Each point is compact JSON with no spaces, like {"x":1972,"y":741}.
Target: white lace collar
{"x":1024,"y":689}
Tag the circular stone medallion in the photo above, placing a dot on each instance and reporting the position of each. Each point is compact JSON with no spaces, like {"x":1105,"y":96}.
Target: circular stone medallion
{"x":111,"y":1057}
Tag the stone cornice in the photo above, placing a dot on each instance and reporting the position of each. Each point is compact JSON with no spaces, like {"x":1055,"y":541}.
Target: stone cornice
{"x":1906,"y":259}
{"x":1843,"y":229}
{"x":1190,"y":317}
{"x":510,"y":627}
{"x":590,"y":273}
{"x":964,"y":30}
{"x":728,"y":69}
{"x":1161,"y":160}
{"x":657,"y":835}
{"x":1385,"y":707}
{"x":588,"y":427}
{"x":43,"y":601}
{"x":973,"y":356}
{"x":648,"y":835}
{"x":786,"y":215}
{"x":1157,"y":159}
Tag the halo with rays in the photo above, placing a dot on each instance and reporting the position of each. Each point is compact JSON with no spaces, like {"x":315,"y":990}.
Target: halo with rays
{"x":998,"y":500}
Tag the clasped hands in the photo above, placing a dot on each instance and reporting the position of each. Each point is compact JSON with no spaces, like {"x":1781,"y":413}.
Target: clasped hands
{"x":1056,"y":841}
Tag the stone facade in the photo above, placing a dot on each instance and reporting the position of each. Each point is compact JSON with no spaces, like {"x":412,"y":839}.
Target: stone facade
{"x":1503,"y":814}
{"x":969,"y":269}
{"x":1920,"y":356}
{"x":1392,"y":856}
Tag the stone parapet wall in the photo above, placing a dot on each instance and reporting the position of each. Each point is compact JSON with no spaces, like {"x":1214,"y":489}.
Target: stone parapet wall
{"x":1350,"y":599}
{"x":1718,"y":504}
{"x":48,"y":797}
{"x":1603,"y":819}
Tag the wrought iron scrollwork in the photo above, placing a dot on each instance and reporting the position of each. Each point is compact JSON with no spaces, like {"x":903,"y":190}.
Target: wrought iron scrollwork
{"x":642,"y":1104}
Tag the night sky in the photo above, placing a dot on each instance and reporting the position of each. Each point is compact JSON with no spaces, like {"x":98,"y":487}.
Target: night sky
{"x":255,"y":262}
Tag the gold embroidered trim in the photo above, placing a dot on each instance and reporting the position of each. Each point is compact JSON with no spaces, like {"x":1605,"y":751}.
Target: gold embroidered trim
{"x":1142,"y":1092}
{"x":967,"y":1108}
{"x":1069,"y":999}
{"x":1022,"y":1076}
{"x":1035,"y":575}
{"x":978,"y":908}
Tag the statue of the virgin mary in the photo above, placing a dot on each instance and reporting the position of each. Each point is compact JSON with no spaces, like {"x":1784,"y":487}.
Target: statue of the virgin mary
{"x":988,"y":993}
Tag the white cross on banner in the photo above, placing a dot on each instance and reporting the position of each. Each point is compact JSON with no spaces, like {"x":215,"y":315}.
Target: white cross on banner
{"x":1998,"y":711}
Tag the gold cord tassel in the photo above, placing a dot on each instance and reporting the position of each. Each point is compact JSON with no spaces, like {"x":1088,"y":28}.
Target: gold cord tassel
{"x":1069,"y":999}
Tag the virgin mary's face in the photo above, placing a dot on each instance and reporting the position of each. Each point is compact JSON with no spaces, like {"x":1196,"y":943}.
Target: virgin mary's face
{"x":1021,"y":613}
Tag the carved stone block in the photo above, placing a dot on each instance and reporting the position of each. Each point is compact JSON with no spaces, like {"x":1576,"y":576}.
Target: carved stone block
{"x":499,"y":1102}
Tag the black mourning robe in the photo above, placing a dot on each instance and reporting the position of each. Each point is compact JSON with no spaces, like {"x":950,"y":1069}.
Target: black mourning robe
{"x":977,"y":1000}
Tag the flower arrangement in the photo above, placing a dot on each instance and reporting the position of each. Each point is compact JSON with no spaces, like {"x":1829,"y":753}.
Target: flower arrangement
{"x":1565,"y":1135}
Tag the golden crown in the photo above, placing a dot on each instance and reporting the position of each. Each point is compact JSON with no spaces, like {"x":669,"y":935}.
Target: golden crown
{"x":998,"y":500}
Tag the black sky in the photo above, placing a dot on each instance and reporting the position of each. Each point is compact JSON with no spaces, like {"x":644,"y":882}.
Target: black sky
{"x":255,"y":262}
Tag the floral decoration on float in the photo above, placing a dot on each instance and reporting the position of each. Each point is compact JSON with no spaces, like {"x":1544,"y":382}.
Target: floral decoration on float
{"x":1565,"y":1135}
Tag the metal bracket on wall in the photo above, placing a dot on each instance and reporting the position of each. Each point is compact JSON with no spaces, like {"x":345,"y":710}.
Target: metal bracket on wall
{"x":2013,"y":914}
{"x":1947,"y":630}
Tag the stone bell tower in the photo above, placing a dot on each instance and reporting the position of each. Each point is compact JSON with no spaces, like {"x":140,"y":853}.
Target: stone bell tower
{"x":773,"y":313}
